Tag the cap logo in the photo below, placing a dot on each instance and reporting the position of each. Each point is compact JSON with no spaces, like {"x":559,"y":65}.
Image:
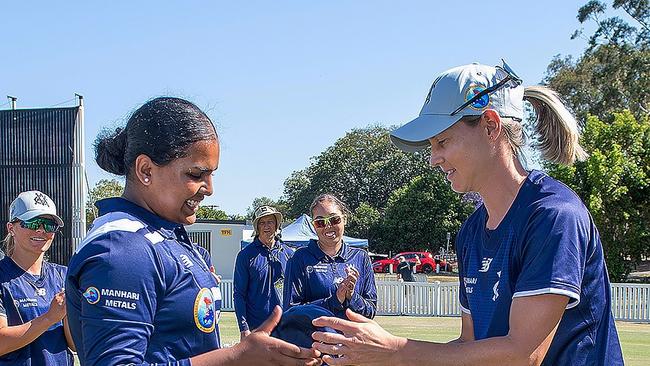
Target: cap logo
{"x":481,"y":102}
{"x":41,"y":199}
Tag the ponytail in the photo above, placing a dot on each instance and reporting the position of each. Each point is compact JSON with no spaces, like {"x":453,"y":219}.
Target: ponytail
{"x":9,"y":244}
{"x":556,"y":127}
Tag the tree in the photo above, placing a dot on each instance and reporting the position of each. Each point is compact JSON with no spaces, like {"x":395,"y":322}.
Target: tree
{"x":105,"y":188}
{"x":614,"y":72}
{"x":361,"y":167}
{"x":211,"y":212}
{"x":613,"y":75}
{"x":614,"y":183}
{"x":614,"y":30}
{"x":420,"y":214}
{"x":363,"y":222}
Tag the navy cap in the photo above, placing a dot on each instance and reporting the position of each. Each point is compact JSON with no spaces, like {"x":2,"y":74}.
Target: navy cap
{"x":296,"y":324}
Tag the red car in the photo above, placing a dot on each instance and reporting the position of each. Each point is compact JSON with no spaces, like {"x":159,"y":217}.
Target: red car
{"x":428,"y":263}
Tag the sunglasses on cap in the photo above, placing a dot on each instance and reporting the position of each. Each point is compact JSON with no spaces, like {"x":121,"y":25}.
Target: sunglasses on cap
{"x":50,"y":226}
{"x":330,"y":220}
{"x":510,"y":76}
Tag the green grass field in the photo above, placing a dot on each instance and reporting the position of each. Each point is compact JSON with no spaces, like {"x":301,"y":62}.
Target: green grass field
{"x":635,"y":338}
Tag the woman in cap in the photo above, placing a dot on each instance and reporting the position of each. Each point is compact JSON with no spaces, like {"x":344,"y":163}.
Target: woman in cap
{"x":534,"y":287}
{"x":328,"y":272}
{"x":33,"y":328}
{"x":138,"y":291}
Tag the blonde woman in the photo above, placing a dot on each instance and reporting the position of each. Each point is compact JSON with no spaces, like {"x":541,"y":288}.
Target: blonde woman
{"x":534,"y":287}
{"x":33,"y":329}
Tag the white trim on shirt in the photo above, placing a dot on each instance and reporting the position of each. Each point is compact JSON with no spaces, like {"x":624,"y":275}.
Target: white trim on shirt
{"x":551,"y":290}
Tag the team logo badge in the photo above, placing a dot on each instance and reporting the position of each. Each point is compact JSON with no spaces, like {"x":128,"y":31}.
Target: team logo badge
{"x":92,"y":295}
{"x":310,"y":269}
{"x":41,"y":199}
{"x":204,"y":312}
{"x":481,"y":102}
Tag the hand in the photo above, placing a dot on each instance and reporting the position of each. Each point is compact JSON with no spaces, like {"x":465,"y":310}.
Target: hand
{"x":341,"y":291}
{"x":259,"y":348}
{"x":353,"y":276}
{"x":216,"y":276}
{"x":57,"y":309}
{"x":243,"y":334}
{"x":363,"y":341}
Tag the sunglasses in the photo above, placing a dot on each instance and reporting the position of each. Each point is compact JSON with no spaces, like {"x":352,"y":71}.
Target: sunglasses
{"x":330,"y":220}
{"x":510,"y":77}
{"x":49,"y":226}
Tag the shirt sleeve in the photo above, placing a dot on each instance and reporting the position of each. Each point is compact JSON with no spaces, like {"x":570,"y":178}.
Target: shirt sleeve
{"x":553,"y":254}
{"x":365,"y":302}
{"x":116,"y":329}
{"x":240,"y":288}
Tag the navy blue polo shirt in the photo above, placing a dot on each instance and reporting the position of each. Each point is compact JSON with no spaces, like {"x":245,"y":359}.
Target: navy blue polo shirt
{"x":139,"y":292}
{"x":313,"y":277}
{"x":25,"y":297}
{"x":259,"y":275}
{"x":546,"y":244}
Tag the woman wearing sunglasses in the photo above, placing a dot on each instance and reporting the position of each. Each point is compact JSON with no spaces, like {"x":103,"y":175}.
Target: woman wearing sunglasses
{"x":328,"y":272}
{"x":534,"y":287}
{"x":138,"y":290}
{"x":33,"y":328}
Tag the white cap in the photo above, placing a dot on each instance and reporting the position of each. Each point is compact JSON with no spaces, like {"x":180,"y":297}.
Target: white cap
{"x":452,"y":89}
{"x":32,"y":204}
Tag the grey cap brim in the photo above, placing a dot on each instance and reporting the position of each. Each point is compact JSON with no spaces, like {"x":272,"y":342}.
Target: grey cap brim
{"x":34,"y":213}
{"x":414,"y":135}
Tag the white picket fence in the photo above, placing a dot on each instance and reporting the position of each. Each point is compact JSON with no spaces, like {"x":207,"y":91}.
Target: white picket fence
{"x":630,"y":302}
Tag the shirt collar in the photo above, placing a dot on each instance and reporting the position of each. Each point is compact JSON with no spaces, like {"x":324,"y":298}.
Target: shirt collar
{"x":318,"y":253}
{"x":261,"y":245}
{"x":119,"y":204}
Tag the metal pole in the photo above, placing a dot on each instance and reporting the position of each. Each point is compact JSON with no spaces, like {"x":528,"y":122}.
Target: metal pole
{"x":13,"y":101}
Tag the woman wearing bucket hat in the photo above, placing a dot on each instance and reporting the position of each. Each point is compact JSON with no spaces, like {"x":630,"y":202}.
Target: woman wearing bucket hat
{"x":33,"y":328}
{"x":328,"y":272}
{"x":534,"y":287}
{"x":138,"y":290}
{"x":259,"y":271}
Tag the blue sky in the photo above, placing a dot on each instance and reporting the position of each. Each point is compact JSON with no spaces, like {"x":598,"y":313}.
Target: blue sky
{"x":282,"y":80}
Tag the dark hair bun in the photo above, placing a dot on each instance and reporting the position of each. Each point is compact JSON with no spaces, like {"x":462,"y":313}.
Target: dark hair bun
{"x":109,"y":151}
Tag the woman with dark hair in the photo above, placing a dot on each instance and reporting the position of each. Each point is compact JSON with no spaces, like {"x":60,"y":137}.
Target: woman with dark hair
{"x":534,"y":287}
{"x":328,"y":272}
{"x":138,"y":291}
{"x":33,"y":328}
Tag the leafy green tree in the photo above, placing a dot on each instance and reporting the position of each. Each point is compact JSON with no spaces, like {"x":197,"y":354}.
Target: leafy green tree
{"x":105,"y":188}
{"x":363,"y":222}
{"x":420,"y":214}
{"x":614,"y":72}
{"x":612,"y":75}
{"x":615,"y":30}
{"x":211,"y":212}
{"x":361,"y":167}
{"x":614,"y":183}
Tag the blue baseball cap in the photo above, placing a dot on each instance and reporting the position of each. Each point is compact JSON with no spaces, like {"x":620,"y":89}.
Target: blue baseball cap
{"x":454,"y":94}
{"x":296,"y":324}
